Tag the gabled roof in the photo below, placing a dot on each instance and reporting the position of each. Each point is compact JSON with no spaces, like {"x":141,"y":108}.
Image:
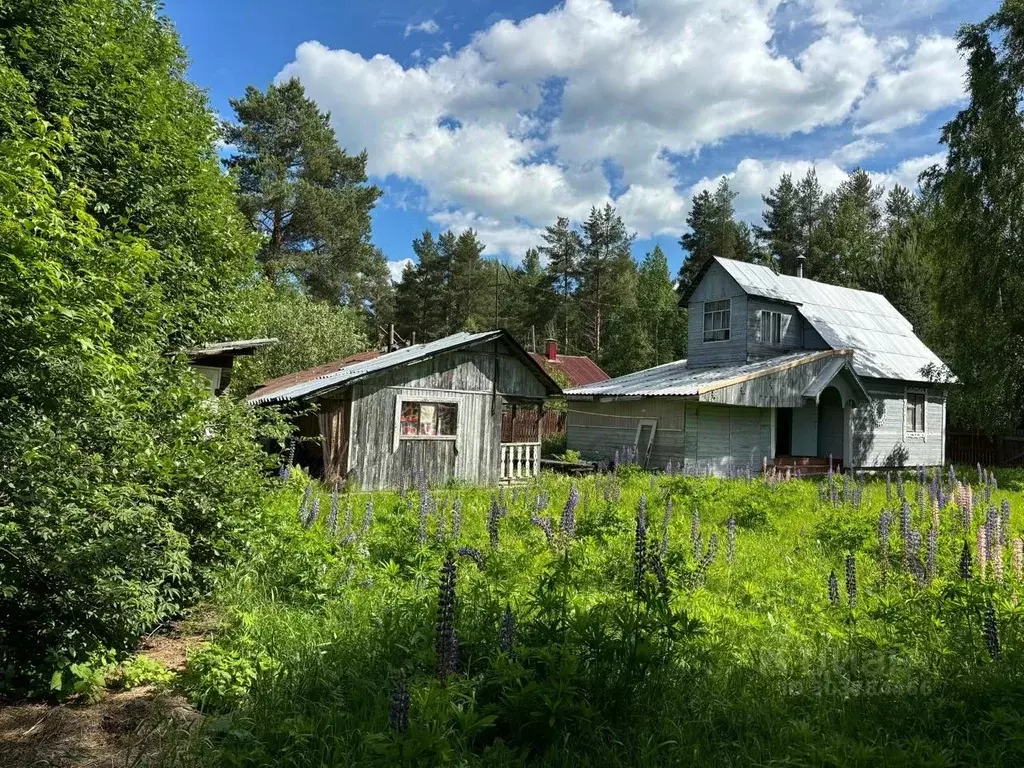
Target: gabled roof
{"x":316,"y":381}
{"x":579,"y":370}
{"x":310,"y":374}
{"x":678,"y":380}
{"x":884,"y":341}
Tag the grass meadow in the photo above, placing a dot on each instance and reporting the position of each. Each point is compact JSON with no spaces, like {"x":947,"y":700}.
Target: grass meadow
{"x":626,"y":619}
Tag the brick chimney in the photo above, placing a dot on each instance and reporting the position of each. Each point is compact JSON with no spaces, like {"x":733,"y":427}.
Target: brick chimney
{"x":552,"y":350}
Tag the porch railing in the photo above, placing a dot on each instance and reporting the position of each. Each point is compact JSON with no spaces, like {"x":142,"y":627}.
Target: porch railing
{"x":519,"y":461}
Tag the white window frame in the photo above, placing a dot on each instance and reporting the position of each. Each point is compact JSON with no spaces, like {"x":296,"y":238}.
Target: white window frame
{"x":704,"y":321}
{"x":915,"y":434}
{"x":417,"y":398}
{"x":774,"y":319}
{"x":213,"y":376}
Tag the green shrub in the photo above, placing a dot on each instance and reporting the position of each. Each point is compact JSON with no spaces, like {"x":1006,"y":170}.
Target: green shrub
{"x":142,"y":670}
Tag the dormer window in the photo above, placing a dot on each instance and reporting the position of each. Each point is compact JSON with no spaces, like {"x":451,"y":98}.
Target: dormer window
{"x":717,"y":320}
{"x":771,"y":327}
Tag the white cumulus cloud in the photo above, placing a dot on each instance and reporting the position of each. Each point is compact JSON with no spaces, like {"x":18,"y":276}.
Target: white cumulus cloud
{"x":428,"y":27}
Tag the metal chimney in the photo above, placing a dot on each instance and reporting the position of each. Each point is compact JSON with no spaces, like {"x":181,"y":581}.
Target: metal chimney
{"x":800,"y":265}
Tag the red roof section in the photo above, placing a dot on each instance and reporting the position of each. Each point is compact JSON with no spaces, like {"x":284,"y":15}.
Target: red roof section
{"x":578,"y":369}
{"x":290,"y":379}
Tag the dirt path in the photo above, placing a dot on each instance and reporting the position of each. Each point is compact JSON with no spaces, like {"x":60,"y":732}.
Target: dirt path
{"x":121,"y":729}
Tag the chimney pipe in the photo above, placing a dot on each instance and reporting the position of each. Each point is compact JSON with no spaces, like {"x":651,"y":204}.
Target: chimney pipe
{"x":800,"y":265}
{"x":552,"y":350}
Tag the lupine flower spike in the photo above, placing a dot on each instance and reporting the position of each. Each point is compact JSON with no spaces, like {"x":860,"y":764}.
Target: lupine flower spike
{"x":966,"y":566}
{"x":664,"y":528}
{"x":473,"y":554}
{"x":399,"y":718}
{"x":640,"y":546}
{"x":568,"y":522}
{"x":731,"y":540}
{"x":507,"y":638}
{"x":833,"y":590}
{"x":332,"y":518}
{"x":314,"y":513}
{"x":1018,"y":558}
{"x":303,"y":507}
{"x":982,"y":552}
{"x":851,"y":580}
{"x":446,"y":643}
{"x":992,"y":633}
{"x":457,"y":518}
{"x":367,"y":519}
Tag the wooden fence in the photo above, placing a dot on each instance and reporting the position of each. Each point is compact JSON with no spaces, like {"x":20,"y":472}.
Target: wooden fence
{"x":520,"y":425}
{"x":974,"y":448}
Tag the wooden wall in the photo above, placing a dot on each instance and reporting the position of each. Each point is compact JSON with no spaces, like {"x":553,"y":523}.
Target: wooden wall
{"x":715,"y":286}
{"x":783,"y":389}
{"x":879,"y":438}
{"x":697,"y":434}
{"x":466,"y":378}
{"x":792,"y":329}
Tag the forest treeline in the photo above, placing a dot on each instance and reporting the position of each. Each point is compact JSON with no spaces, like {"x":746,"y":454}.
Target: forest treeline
{"x":135,"y":225}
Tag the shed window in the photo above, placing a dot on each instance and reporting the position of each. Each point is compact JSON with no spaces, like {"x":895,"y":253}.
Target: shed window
{"x":915,"y":412}
{"x":771,"y":327}
{"x":429,"y":419}
{"x":716,"y":320}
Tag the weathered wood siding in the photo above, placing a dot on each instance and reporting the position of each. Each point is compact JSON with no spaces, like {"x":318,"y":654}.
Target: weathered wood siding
{"x":805,"y":430}
{"x":879,"y":436}
{"x":715,"y":286}
{"x":697,"y":434}
{"x":780,"y":390}
{"x":792,"y":329}
{"x":475,"y":380}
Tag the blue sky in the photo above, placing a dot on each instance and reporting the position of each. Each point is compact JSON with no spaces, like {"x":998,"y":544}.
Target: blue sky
{"x":503,"y":116}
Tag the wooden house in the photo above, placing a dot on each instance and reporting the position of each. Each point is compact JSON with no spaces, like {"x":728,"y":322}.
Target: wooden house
{"x":433,"y":409}
{"x":216,"y":361}
{"x":780,"y":369}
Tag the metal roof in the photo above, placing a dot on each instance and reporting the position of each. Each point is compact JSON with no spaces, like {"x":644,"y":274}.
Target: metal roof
{"x":678,"y":380}
{"x":244,"y":346}
{"x":404,"y":356}
{"x":579,"y":370}
{"x":310,"y":374}
{"x":884,"y":341}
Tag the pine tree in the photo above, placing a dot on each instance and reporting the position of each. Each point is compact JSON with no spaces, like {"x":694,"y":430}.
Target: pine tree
{"x":713,"y":232}
{"x":563,"y":248}
{"x":659,"y":314}
{"x":809,"y":220}
{"x":305,"y":196}
{"x":852,"y":232}
{"x":781,"y":233}
{"x":605,"y":268}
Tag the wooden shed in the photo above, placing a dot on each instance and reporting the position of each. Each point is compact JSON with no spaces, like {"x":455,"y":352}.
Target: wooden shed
{"x":433,"y":409}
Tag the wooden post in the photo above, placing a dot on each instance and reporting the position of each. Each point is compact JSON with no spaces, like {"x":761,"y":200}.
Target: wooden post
{"x":391,"y":338}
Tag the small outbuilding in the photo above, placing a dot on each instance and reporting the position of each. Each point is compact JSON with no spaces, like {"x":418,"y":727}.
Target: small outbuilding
{"x":216,"y":361}
{"x":780,"y":369}
{"x":433,"y":409}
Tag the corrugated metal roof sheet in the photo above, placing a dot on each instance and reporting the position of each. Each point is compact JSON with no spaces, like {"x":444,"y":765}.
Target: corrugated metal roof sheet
{"x":310,"y":374}
{"x":380,"y":363}
{"x":678,"y":380}
{"x":578,"y":369}
{"x":884,"y":341}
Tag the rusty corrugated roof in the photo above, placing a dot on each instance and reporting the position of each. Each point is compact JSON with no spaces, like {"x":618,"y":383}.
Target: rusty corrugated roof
{"x":268,"y":388}
{"x":579,"y":370}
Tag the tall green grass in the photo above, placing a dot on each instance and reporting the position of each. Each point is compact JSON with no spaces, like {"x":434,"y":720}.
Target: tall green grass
{"x":745,"y":663}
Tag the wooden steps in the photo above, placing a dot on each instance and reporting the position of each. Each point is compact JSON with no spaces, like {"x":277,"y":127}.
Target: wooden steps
{"x":807,"y":466}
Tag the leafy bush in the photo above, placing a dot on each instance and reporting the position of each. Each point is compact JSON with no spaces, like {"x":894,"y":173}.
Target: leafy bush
{"x":142,"y":670}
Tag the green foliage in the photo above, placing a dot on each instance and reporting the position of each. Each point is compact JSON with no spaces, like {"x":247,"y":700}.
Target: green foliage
{"x":309,"y":333}
{"x":714,"y":232}
{"x":711,"y":668}
{"x":121,"y":484}
{"x":143,"y":670}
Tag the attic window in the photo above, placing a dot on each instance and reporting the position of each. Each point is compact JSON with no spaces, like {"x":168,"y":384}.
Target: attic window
{"x":771,"y":327}
{"x":717,"y":320}
{"x":428,"y":419}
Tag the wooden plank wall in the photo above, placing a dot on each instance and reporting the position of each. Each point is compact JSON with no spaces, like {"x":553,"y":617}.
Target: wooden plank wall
{"x":716,"y":285}
{"x":781,"y":390}
{"x":878,"y":430}
{"x":465,"y":378}
{"x":792,"y":332}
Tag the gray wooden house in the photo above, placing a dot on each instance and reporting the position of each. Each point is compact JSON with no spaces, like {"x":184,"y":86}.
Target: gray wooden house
{"x":779,"y":369}
{"x":434,"y":408}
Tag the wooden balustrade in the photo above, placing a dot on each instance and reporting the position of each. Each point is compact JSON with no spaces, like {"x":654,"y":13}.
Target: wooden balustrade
{"x":519,"y":461}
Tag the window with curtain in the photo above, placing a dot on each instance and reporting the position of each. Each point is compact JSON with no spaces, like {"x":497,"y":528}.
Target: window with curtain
{"x":421,"y":419}
{"x":716,"y":320}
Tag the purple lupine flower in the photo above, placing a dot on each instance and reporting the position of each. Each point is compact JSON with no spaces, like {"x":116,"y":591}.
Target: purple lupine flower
{"x":640,"y":546}
{"x":568,"y":522}
{"x":981,"y":475}
{"x":399,"y":717}
{"x":698,"y":548}
{"x":285,"y":472}
{"x":695,"y":532}
{"x":991,"y":534}
{"x":348,"y":516}
{"x":658,"y":569}
{"x":966,"y":566}
{"x":706,"y":560}
{"x":313,"y":514}
{"x":1004,"y":530}
{"x":913,"y":548}
{"x":900,"y":491}
{"x":608,"y":493}
{"x":833,"y":590}
{"x":1018,"y":558}
{"x":992,"y":633}
{"x":905,"y":521}
{"x":544,"y":523}
{"x":731,"y":540}
{"x":665,"y":521}
{"x":424,"y":506}
{"x":446,"y":644}
{"x":933,"y":550}
{"x":332,"y":517}
{"x":851,"y":580}
{"x":457,"y":518}
{"x":982,"y":551}
{"x":507,"y":636}
{"x":888,"y":487}
{"x":473,"y":554}
{"x":884,"y":523}
{"x":367,"y":519}
{"x":303,"y":507}
{"x":493,"y":519}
